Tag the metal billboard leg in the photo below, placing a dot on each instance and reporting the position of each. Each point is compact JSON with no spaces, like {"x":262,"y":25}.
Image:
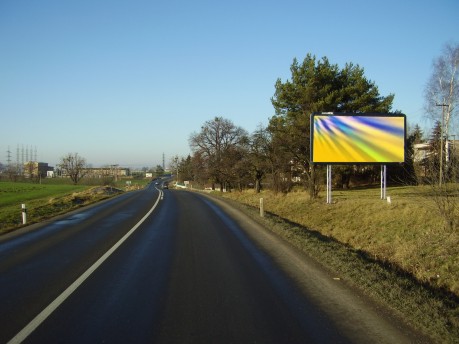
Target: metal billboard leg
{"x":329,"y":184}
{"x":383,"y":181}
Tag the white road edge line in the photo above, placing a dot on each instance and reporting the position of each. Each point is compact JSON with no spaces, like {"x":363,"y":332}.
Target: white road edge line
{"x":30,"y":327}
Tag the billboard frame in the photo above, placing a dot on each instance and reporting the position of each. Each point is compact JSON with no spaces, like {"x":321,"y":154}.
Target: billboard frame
{"x":359,"y":114}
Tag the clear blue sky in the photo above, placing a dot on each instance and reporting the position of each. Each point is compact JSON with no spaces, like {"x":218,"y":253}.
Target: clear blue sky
{"x":122,"y":82}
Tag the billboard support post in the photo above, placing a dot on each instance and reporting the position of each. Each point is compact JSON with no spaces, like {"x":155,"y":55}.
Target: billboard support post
{"x":329,"y":184}
{"x":383,"y":181}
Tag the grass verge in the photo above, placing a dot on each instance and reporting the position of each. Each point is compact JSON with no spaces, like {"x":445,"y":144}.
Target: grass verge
{"x":44,"y":201}
{"x":360,"y":238}
{"x":55,"y":196}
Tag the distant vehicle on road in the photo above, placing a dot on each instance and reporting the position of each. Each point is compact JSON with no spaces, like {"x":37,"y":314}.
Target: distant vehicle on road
{"x":165,"y":186}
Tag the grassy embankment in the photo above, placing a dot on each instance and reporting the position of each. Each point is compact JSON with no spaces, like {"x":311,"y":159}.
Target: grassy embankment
{"x":43,"y":201}
{"x":397,"y":253}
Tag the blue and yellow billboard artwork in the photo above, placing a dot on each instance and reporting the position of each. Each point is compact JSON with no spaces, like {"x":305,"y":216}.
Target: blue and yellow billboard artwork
{"x":354,"y":139}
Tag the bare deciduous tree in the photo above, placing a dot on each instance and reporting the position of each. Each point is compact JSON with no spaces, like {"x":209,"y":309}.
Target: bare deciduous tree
{"x":74,"y":166}
{"x":216,"y":144}
{"x":445,"y":197}
{"x":174,"y":165}
{"x":442,"y":89}
{"x":260,"y":155}
{"x":442,"y":100}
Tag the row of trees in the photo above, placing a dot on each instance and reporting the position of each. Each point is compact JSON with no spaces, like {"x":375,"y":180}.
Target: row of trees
{"x":225,"y":154}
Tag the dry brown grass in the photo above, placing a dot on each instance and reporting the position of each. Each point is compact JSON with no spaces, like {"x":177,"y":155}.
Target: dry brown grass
{"x":408,"y":233}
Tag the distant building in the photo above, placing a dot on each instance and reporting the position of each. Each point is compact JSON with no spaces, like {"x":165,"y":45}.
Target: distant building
{"x":34,"y":169}
{"x":422,"y":151}
{"x":102,"y":172}
{"x":453,"y":148}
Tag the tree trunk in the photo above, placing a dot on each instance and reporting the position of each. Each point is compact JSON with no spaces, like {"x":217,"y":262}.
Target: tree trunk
{"x":257,"y":186}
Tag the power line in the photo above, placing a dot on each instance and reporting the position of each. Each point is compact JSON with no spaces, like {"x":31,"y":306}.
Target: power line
{"x":8,"y":156}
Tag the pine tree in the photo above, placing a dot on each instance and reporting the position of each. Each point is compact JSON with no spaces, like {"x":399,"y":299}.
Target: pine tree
{"x":317,"y":86}
{"x":417,"y":134}
{"x":435,"y":138}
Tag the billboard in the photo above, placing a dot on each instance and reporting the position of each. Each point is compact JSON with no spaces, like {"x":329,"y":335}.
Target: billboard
{"x":357,"y":138}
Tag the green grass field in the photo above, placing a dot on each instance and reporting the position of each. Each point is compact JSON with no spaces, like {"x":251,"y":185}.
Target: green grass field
{"x":41,"y":200}
{"x":50,"y":198}
{"x":16,"y":193}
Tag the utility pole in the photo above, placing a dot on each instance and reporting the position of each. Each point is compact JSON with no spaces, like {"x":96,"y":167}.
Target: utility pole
{"x":454,"y":159}
{"x":8,"y":156}
{"x":454,"y":143}
{"x":114,"y":171}
{"x":441,"y":140}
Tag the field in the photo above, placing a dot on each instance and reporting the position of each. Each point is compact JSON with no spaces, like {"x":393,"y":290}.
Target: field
{"x":17,"y":193}
{"x":399,"y":254}
{"x":51,"y":198}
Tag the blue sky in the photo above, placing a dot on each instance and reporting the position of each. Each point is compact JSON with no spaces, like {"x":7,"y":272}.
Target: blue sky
{"x":122,"y":82}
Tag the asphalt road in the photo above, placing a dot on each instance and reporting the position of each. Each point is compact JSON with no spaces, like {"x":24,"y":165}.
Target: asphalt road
{"x":148,"y":267}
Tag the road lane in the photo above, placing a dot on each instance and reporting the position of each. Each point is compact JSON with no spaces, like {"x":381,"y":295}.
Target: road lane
{"x":39,"y":262}
{"x":192,"y":273}
{"x":120,"y":301}
{"x":222,"y":289}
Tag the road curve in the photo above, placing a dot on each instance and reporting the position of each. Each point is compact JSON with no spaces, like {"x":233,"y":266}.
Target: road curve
{"x":194,"y":271}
